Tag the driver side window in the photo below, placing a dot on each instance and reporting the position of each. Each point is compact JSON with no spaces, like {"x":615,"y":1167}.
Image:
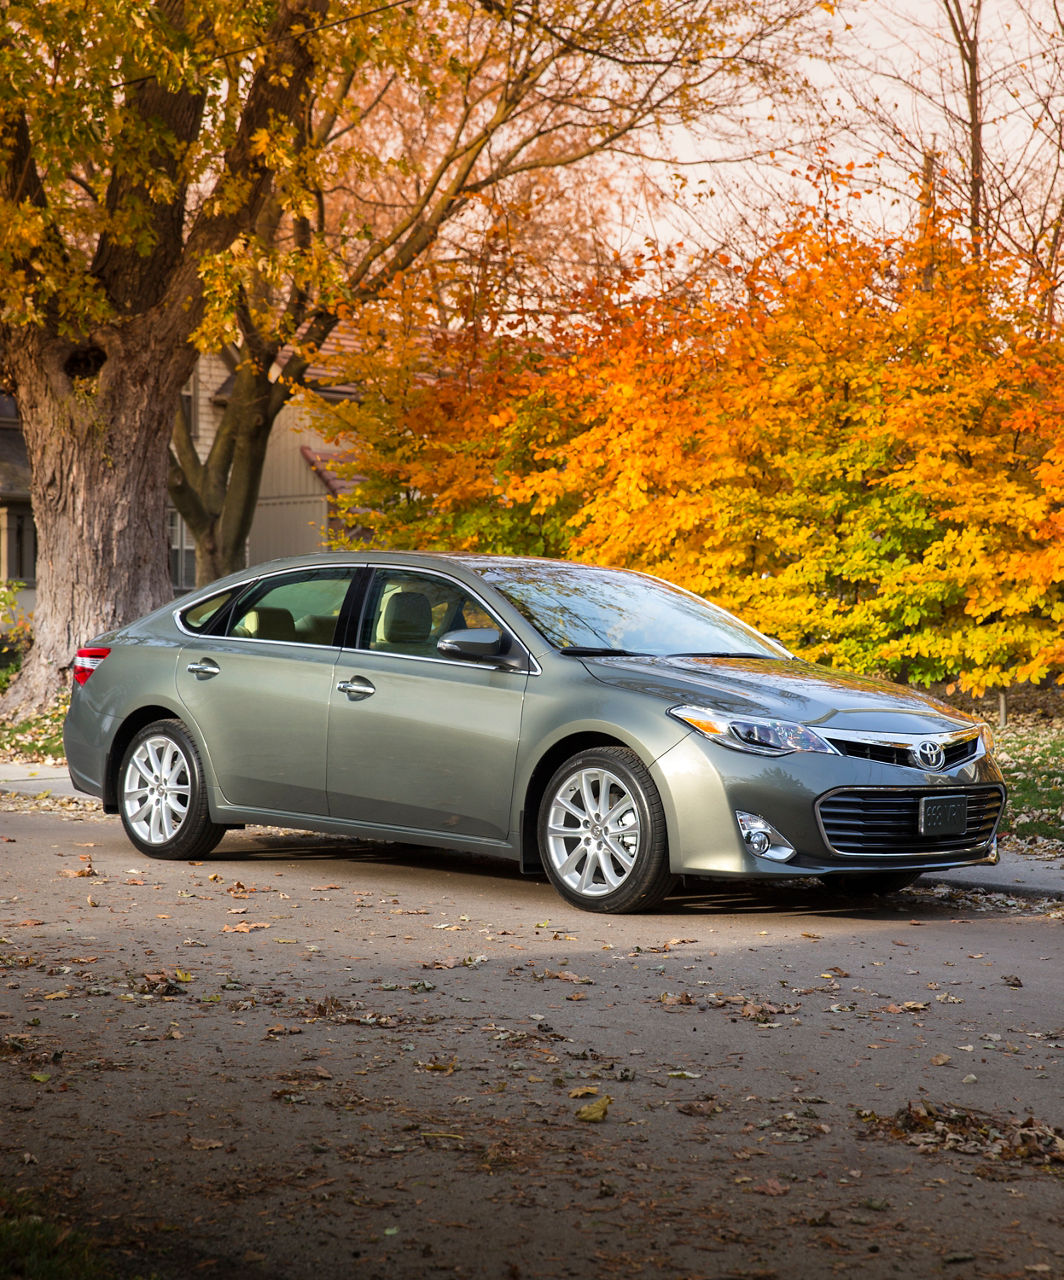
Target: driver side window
{"x":409,"y":611}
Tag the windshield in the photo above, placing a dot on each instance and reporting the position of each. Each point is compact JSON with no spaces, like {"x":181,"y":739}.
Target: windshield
{"x":588,"y":609}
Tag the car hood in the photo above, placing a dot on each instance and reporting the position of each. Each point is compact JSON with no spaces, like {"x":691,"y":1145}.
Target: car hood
{"x":785,"y":689}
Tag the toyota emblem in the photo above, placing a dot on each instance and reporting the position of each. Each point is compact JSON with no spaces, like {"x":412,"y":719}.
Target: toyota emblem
{"x":929,"y":755}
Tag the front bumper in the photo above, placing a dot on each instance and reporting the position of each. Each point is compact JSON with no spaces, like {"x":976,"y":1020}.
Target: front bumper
{"x":801,"y":795}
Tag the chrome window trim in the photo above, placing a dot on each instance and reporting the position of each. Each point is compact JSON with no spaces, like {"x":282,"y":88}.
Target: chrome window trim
{"x":186,"y":605}
{"x":533,"y":668}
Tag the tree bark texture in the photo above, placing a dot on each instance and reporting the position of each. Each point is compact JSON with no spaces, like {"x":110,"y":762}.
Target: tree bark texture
{"x":98,"y":447}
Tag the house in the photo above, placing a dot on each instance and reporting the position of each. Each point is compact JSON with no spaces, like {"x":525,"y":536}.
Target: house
{"x":295,"y":499}
{"x":18,"y":534}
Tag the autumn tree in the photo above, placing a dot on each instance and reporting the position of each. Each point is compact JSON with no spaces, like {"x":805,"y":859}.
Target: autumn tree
{"x":451,"y":124}
{"x":139,"y":139}
{"x":972,"y":95}
{"x":858,"y":448}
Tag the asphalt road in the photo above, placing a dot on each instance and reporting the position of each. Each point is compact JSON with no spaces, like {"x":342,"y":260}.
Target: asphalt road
{"x":308,"y":1059}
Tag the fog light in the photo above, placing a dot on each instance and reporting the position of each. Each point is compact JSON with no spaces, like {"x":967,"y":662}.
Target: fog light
{"x":762,"y":839}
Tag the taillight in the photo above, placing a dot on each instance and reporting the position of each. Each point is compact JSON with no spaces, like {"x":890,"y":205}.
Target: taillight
{"x":86,"y":661}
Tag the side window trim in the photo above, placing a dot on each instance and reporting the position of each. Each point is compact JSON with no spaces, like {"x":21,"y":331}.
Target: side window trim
{"x":243,"y":601}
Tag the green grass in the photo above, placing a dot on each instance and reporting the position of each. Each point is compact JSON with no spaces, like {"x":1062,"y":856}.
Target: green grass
{"x":1031,"y":755}
{"x":40,"y":739}
{"x":35,"y":1247}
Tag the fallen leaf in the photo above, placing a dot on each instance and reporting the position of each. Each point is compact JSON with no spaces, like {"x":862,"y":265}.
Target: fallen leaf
{"x":565,"y":975}
{"x":773,"y":1187}
{"x":699,"y":1109}
{"x":940,"y":1059}
{"x":448,"y":1068}
{"x":595,"y":1112}
{"x":585,"y":1091}
{"x":205,"y":1144}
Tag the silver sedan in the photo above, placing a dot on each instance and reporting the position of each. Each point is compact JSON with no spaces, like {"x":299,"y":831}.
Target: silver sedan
{"x":598,"y":725}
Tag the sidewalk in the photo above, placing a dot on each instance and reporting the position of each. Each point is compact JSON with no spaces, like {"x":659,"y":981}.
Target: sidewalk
{"x":32,"y":779}
{"x":1019,"y":874}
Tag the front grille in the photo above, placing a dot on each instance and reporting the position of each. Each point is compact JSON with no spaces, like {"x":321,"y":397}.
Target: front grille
{"x":958,"y":752}
{"x":880,"y":751}
{"x":884,"y":822}
{"x":892,"y":753}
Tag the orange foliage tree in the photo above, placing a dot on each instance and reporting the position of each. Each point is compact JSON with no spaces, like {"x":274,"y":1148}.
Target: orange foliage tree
{"x":857,"y":445}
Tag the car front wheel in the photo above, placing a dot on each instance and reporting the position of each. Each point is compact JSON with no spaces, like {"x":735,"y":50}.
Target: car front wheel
{"x":602,"y":834}
{"x":161,"y":795}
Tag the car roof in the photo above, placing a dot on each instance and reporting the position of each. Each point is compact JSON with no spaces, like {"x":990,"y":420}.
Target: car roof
{"x":470,"y":560}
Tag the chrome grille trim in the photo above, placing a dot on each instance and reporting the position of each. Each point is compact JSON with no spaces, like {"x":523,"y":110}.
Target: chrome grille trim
{"x":883,"y":822}
{"x":898,"y":749}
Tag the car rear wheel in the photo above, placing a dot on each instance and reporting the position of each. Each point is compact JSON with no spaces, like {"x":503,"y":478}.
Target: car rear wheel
{"x":161,"y":796}
{"x":858,"y":884}
{"x":602,"y":834}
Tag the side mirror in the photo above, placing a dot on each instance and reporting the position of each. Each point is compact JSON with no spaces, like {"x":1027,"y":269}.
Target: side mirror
{"x":473,"y":643}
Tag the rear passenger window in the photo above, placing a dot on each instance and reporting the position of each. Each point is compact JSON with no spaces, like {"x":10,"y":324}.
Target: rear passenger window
{"x":294,"y":609}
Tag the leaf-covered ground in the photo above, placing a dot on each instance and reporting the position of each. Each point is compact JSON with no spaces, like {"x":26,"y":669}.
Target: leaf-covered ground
{"x":37,"y":741}
{"x":407,"y":1065}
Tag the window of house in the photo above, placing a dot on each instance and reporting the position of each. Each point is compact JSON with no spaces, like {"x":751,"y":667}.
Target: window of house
{"x":182,"y":555}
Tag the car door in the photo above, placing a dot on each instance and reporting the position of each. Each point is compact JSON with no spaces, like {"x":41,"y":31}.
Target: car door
{"x":259,"y":692}
{"x":418,"y":742}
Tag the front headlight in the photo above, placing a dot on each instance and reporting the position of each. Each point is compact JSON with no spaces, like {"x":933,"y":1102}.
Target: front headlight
{"x":986,"y":736}
{"x":762,"y":737}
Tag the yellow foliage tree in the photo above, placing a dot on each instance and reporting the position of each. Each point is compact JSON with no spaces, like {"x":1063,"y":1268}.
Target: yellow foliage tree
{"x":857,"y":445}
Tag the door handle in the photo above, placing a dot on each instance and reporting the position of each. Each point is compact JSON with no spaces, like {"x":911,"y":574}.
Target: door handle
{"x":357,"y":688}
{"x":205,"y":667}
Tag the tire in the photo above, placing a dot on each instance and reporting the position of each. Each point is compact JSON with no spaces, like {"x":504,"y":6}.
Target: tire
{"x":602,"y":837}
{"x":860,"y":884}
{"x":162,"y":799}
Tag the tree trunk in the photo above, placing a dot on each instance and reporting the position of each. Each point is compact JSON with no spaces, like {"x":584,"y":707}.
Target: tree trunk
{"x":97,"y":423}
{"x":217,"y":497}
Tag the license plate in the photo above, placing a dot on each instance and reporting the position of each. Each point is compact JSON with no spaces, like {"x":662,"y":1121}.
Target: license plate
{"x":943,"y":815}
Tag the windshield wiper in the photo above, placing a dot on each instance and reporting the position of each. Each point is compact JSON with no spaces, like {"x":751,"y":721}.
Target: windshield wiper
{"x":590,"y":651}
{"x":723,"y":654}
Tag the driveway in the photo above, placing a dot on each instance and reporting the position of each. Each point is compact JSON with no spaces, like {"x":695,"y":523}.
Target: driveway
{"x":304,"y":1058}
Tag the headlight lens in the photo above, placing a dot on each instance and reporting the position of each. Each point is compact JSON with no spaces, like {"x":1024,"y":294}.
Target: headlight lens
{"x":762,"y":737}
{"x":986,"y":734}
